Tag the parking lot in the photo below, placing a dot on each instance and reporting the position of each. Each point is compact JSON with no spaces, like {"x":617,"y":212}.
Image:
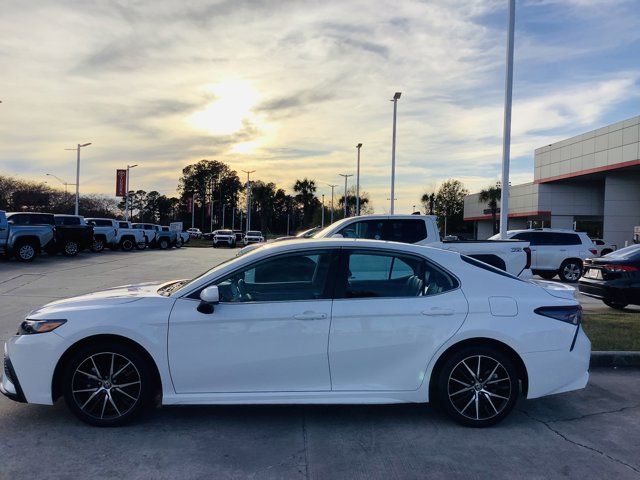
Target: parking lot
{"x":591,"y":433}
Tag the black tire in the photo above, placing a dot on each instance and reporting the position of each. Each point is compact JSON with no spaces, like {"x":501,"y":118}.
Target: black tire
{"x":111,"y":404}
{"x":457,"y":389}
{"x":25,"y":251}
{"x":547,"y":275}
{"x":127,"y":244}
{"x":615,"y":305}
{"x":98,"y":245}
{"x":570,"y":270}
{"x":179,"y":243}
{"x":163,"y":243}
{"x":71,"y":248}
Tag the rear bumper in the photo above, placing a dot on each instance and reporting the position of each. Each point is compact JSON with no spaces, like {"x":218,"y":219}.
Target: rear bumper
{"x":559,"y":370}
{"x":619,"y":292}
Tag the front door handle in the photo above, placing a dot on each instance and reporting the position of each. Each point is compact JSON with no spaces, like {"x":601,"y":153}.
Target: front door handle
{"x":437,"y":311}
{"x":310,"y":316}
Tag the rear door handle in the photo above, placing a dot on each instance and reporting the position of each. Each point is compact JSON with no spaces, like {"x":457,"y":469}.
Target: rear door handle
{"x":310,"y":316}
{"x":436,"y":311}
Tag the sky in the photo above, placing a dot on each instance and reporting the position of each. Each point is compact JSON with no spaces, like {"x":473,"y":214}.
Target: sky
{"x":288,"y":88}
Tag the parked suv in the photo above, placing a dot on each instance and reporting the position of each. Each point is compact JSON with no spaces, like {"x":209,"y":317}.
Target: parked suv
{"x":224,"y":238}
{"x":24,"y":241}
{"x":603,"y":247}
{"x":253,"y":236}
{"x":556,"y":251}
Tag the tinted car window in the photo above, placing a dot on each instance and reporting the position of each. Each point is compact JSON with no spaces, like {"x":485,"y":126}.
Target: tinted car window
{"x":100,"y":223}
{"x":526,"y":236}
{"x":565,"y":238}
{"x":404,"y":230}
{"x":67,"y":221}
{"x":371,"y":274}
{"x":123,"y":225}
{"x":370,"y":229}
{"x":32,"y":219}
{"x":295,"y":276}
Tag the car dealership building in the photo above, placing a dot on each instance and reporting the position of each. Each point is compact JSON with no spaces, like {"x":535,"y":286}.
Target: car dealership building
{"x":590,"y":182}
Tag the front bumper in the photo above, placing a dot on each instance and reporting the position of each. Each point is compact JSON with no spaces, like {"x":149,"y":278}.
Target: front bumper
{"x":253,"y":240}
{"x":9,"y":384}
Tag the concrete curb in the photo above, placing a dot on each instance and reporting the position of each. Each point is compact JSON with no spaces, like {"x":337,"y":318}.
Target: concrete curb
{"x":615,"y":359}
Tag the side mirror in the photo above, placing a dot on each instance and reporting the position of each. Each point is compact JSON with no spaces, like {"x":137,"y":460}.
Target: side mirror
{"x":208,"y":298}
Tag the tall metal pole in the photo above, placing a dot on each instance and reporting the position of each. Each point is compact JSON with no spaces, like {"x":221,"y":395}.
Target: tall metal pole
{"x":233,"y":217}
{"x":211,"y":208}
{"x":248,"y":172}
{"x":223,"y":209}
{"x":78,"y":180}
{"x":506,"y":136}
{"x":345,"y":191}
{"x":359,"y":146}
{"x":322,"y":224}
{"x":193,"y":210}
{"x":126,"y":198}
{"x":332,"y":194}
{"x":395,"y":98}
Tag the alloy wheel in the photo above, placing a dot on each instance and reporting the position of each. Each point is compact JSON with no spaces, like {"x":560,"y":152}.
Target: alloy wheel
{"x":572,"y":272}
{"x":106,"y":386}
{"x":71,"y":248}
{"x":27,"y":252}
{"x":479,"y":387}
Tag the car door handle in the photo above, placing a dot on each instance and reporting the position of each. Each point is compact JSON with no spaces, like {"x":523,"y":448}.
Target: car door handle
{"x":436,"y":311}
{"x":310,"y":316}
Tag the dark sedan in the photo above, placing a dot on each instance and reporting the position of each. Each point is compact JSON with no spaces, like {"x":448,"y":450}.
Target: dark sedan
{"x":614,"y":278}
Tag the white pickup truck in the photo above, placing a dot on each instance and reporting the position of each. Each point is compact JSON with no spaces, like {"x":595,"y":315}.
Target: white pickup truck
{"x":511,"y":256}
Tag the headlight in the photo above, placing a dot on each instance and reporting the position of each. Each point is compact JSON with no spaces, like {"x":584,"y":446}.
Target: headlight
{"x":31,"y":327}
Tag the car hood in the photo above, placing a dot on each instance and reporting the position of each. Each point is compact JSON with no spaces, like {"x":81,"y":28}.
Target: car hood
{"x":112,"y":296}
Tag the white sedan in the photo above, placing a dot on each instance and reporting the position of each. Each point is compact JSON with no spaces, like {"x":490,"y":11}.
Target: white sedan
{"x":324,"y":321}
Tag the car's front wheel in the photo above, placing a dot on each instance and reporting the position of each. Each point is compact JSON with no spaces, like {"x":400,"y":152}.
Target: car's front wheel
{"x":25,"y":251}
{"x":71,"y":248}
{"x":477,"y":386}
{"x":163,"y":244}
{"x":106,"y":385}
{"x":98,"y":245}
{"x":127,"y":244}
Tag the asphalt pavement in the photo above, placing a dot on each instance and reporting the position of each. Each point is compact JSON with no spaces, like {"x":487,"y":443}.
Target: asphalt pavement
{"x":592,"y":433}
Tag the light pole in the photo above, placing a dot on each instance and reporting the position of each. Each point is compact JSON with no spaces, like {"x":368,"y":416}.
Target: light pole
{"x":66,"y":184}
{"x":506,"y":136}
{"x":78,"y":173}
{"x":359,"y":146}
{"x":322,"y":224}
{"x":345,"y":191}
{"x":248,"y":172}
{"x":126,"y":198}
{"x":395,"y":99}
{"x":224,"y":207}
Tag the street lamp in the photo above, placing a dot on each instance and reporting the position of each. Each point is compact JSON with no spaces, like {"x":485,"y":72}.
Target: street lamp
{"x":248,"y":172}
{"x":66,"y":184}
{"x":395,"y":99}
{"x":322,"y":224}
{"x":126,"y":198}
{"x":345,"y":190}
{"x":359,"y":146}
{"x":78,"y":147}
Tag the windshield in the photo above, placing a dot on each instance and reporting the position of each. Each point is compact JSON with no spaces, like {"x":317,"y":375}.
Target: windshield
{"x":224,"y":232}
{"x":254,"y":233}
{"x":325,"y":231}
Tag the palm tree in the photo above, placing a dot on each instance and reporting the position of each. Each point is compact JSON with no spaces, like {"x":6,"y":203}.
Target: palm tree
{"x":429,"y":202}
{"x":306,"y":198}
{"x":492,"y":195}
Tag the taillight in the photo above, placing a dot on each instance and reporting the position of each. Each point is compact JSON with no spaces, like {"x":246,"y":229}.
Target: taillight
{"x":527,"y":250}
{"x":593,"y":251}
{"x":569,"y":314}
{"x":620,"y":268}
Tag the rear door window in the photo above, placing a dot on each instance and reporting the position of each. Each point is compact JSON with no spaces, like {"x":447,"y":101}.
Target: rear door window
{"x":404,"y":230}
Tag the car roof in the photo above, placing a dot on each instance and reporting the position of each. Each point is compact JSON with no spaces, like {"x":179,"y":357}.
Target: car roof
{"x":551,"y":230}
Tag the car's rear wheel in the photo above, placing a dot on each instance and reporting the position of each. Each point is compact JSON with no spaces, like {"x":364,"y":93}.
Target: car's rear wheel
{"x":106,"y":385}
{"x":547,"y":275}
{"x":127,"y":244}
{"x":478,"y":386}
{"x":25,"y":251}
{"x":570,"y":271}
{"x":616,"y":305}
{"x":71,"y":248}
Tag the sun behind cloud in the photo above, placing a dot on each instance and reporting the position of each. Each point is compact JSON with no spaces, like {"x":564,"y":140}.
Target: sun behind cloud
{"x":231,"y":109}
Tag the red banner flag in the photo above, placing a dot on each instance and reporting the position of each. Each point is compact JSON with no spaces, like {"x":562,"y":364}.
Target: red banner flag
{"x":121,"y":183}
